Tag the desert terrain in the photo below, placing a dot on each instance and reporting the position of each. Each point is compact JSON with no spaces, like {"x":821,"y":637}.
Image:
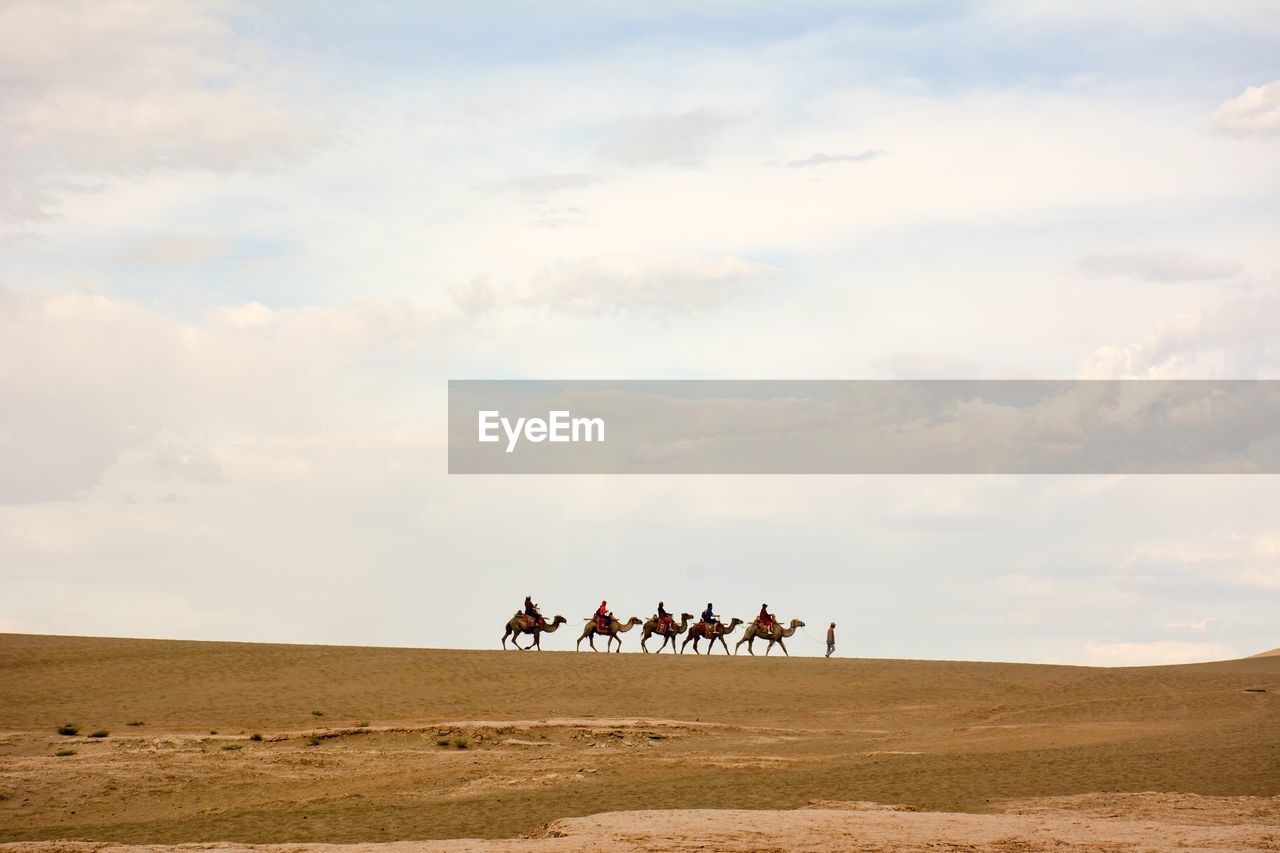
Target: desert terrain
{"x":238,"y":744}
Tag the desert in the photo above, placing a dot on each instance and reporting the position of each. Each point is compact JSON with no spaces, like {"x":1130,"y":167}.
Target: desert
{"x":247,"y":745}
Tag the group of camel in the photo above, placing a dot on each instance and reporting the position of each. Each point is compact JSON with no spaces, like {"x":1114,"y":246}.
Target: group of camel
{"x":668,"y":631}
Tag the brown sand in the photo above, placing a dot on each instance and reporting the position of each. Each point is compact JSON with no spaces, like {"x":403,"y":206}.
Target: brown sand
{"x":1030,"y":753}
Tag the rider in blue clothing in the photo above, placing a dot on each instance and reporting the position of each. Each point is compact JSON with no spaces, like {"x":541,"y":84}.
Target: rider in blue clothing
{"x":531,"y":609}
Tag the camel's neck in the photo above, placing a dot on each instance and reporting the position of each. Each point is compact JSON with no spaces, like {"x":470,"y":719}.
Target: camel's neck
{"x":623,"y":627}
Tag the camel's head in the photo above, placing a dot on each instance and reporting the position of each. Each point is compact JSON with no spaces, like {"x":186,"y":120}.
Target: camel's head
{"x":735,"y":621}
{"x":686,"y":616}
{"x":797,"y":623}
{"x":558,"y":620}
{"x":635,"y":620}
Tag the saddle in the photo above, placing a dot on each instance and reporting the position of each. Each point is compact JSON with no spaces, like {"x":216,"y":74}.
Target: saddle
{"x":602,"y":624}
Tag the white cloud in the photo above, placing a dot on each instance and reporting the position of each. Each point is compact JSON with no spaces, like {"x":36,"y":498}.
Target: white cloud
{"x":1166,"y":266}
{"x":543,"y":185}
{"x":122,"y":88}
{"x":87,"y":377}
{"x":250,"y":315}
{"x":474,"y":296}
{"x":1239,"y":339}
{"x":1156,"y":653}
{"x":679,"y":140}
{"x":1254,"y":112}
{"x":915,"y":365}
{"x":173,"y":250}
{"x":820,"y":159}
{"x":654,"y":286}
{"x":1197,"y":625}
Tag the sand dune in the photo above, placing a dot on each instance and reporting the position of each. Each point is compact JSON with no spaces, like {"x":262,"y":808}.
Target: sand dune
{"x":436,"y":744}
{"x":1272,"y":653}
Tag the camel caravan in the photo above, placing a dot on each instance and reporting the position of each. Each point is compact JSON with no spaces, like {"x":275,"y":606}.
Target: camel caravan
{"x":765,"y":627}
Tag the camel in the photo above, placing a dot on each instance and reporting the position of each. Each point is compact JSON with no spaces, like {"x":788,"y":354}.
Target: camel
{"x":590,"y":630}
{"x":523,"y":624}
{"x":653,"y":626}
{"x":774,"y":635}
{"x":717,"y":631}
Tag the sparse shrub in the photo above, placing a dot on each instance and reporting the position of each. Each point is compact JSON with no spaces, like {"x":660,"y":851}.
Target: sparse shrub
{"x":256,"y":736}
{"x":232,"y":746}
{"x":101,"y":733}
{"x":68,"y":729}
{"x":442,"y":741}
{"x":461,"y":742}
{"x":213,"y":731}
{"x":136,"y":723}
{"x":65,"y":752}
{"x":313,"y":740}
{"x":317,"y":713}
{"x":363,"y":725}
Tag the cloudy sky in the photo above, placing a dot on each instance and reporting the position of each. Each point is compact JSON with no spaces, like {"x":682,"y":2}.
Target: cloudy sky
{"x":244,"y":247}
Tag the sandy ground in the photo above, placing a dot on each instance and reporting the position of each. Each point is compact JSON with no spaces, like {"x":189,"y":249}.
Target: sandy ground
{"x":561,"y":751}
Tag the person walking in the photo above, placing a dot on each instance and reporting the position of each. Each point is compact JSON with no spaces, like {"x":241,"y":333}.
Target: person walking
{"x":831,"y":639}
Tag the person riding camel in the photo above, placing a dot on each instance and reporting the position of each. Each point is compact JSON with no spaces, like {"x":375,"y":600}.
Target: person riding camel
{"x":531,"y":610}
{"x":709,"y":617}
{"x":664,"y":618}
{"x":602,"y":617}
{"x":765,"y":619}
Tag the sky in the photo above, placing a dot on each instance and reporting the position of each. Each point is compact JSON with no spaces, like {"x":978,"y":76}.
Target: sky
{"x":244,"y":246}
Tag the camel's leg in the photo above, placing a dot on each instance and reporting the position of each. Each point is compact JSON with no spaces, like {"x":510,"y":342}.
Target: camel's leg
{"x":613,"y":637}
{"x":738,"y":644}
{"x":643,"y":647}
{"x":504,"y":638}
{"x":723,"y":644}
{"x":685,"y":643}
{"x":784,"y":647}
{"x":578,"y":646}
